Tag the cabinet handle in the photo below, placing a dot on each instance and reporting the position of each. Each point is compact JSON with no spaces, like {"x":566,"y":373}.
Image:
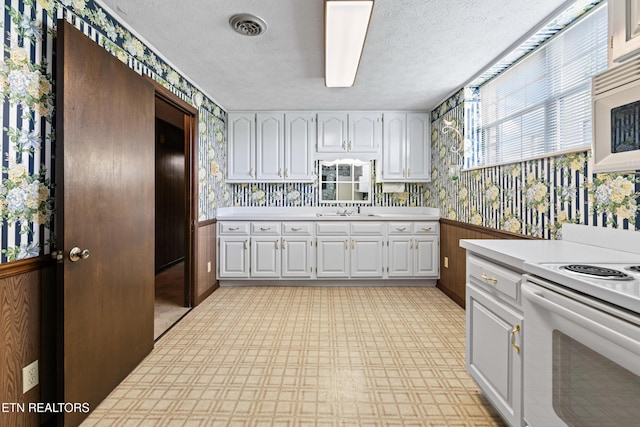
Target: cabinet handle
{"x":410,"y":243}
{"x":514,"y":331}
{"x":353,"y":245}
{"x":489,"y":279}
{"x":350,"y":145}
{"x":265,"y":228}
{"x":296,"y":228}
{"x":245,"y":244}
{"x":401,"y":228}
{"x":344,"y":145}
{"x":404,"y":173}
{"x":284,"y":244}
{"x":234,"y":228}
{"x":408,"y":172}
{"x":346,"y":245}
{"x":251,"y":172}
{"x":277,"y":244}
{"x":286,"y":172}
{"x":279,"y":171}
{"x":426,"y":228}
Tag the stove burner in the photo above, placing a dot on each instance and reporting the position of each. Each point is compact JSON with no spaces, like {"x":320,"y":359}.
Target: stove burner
{"x":599,"y":272}
{"x":634,"y":268}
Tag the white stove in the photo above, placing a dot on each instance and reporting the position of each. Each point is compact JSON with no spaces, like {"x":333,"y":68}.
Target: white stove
{"x":617,"y":284}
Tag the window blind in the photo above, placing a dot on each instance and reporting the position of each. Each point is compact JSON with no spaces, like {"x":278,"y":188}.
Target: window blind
{"x":542,"y":104}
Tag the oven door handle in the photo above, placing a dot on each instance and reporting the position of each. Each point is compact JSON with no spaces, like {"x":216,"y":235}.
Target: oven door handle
{"x":538,"y":297}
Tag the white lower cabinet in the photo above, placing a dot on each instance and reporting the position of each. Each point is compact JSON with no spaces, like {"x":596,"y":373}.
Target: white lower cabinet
{"x":366,"y":256}
{"x":327,"y":250}
{"x":333,"y":257}
{"x":413,"y":249}
{"x":297,"y":257}
{"x":494,"y":322}
{"x":265,"y":256}
{"x":233,"y":257}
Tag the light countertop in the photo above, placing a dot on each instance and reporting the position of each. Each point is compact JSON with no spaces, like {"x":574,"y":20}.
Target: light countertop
{"x":367,"y":213}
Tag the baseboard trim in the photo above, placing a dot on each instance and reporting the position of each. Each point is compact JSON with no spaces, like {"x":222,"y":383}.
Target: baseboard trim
{"x":337,"y":282}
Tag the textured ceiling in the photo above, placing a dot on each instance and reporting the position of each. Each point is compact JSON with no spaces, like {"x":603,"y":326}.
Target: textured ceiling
{"x":417,"y":52}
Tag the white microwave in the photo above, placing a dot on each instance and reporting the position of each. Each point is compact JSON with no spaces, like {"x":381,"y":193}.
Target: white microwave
{"x":616,"y":118}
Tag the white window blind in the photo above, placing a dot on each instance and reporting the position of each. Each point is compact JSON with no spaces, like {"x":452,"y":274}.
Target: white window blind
{"x":542,"y":104}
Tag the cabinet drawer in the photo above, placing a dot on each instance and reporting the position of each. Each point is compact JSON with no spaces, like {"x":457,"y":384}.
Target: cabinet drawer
{"x":367,"y":228}
{"x":425,"y":227}
{"x":332,"y":228}
{"x":265,"y":228}
{"x":501,"y":279}
{"x":400,"y":228}
{"x":234,"y":228}
{"x":297,"y":229}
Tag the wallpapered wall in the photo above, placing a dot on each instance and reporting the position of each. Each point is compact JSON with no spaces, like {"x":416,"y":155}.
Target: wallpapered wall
{"x":531,"y":197}
{"x":27,"y":76}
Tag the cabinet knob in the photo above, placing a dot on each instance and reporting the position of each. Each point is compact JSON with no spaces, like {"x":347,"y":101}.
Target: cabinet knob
{"x":277,"y":244}
{"x":296,"y":228}
{"x":234,"y":228}
{"x":280,"y":172}
{"x":346,"y":245}
{"x":265,"y":228}
{"x":426,"y":228}
{"x":401,"y":228}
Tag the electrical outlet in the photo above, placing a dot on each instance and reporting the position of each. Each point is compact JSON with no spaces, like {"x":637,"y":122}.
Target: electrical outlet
{"x":446,"y":262}
{"x":209,"y":267}
{"x":30,"y":377}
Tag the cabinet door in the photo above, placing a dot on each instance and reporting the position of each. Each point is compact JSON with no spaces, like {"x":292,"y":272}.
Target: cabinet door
{"x":265,"y":257}
{"x":418,"y":148}
{"x":366,"y":256}
{"x":332,"y":132}
{"x":233,"y":257}
{"x":332,"y":257}
{"x":427,"y":256}
{"x":624,"y":27}
{"x":297,"y":259}
{"x":400,"y":256}
{"x":492,"y":360}
{"x":269,"y":146}
{"x":393,"y":147}
{"x":241,"y":154}
{"x":365,"y":132}
{"x":300,"y":140}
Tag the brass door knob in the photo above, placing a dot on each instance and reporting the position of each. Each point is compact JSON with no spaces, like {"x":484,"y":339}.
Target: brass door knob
{"x":76,"y":254}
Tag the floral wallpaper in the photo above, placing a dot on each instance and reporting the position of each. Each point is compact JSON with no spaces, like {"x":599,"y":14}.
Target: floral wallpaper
{"x":532,"y":197}
{"x":27,"y":86}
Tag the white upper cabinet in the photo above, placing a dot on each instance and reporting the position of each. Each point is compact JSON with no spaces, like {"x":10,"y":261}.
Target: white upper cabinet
{"x":624,"y":29}
{"x":271,"y":147}
{"x":406,"y":150}
{"x":300,"y":139}
{"x":342,"y":133}
{"x":241,"y":129}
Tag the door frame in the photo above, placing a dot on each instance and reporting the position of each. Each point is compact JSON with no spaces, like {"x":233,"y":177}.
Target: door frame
{"x":191,"y":186}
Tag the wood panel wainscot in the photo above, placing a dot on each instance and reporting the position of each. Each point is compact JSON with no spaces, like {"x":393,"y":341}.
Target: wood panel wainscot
{"x":27,"y":334}
{"x":206,"y":276}
{"x":452,"y":257}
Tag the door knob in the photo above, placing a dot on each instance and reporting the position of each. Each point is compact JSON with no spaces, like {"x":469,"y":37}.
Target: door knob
{"x":76,"y":254}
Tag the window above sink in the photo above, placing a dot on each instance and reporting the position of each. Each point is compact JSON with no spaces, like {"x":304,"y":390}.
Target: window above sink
{"x":345,"y":181}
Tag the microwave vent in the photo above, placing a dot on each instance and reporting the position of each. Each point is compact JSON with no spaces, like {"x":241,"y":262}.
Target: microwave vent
{"x":624,"y":73}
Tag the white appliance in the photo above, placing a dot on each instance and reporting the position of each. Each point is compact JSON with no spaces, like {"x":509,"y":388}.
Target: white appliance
{"x":582,"y":344}
{"x":616,"y":118}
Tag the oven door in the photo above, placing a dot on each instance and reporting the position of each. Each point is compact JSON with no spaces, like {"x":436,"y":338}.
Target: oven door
{"x":582,"y":365}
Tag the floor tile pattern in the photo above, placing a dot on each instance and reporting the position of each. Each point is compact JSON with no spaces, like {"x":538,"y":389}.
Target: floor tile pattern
{"x":306,"y":356}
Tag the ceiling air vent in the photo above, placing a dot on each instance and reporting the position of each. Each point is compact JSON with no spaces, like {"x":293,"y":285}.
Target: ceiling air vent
{"x":247,"y":24}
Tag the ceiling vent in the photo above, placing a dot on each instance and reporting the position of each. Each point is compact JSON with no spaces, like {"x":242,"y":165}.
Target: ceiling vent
{"x":247,"y":24}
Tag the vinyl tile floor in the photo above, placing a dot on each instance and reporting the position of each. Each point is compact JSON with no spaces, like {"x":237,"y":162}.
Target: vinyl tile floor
{"x":306,"y":356}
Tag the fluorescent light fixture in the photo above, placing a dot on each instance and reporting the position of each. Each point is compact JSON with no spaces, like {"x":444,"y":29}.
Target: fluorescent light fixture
{"x":345,"y":29}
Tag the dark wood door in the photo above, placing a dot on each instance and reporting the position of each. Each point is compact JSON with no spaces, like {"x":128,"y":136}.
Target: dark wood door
{"x":105,"y":204}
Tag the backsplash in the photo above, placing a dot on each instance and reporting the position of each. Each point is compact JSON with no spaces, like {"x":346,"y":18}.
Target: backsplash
{"x":27,"y":79}
{"x":306,"y":194}
{"x":531,"y":197}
